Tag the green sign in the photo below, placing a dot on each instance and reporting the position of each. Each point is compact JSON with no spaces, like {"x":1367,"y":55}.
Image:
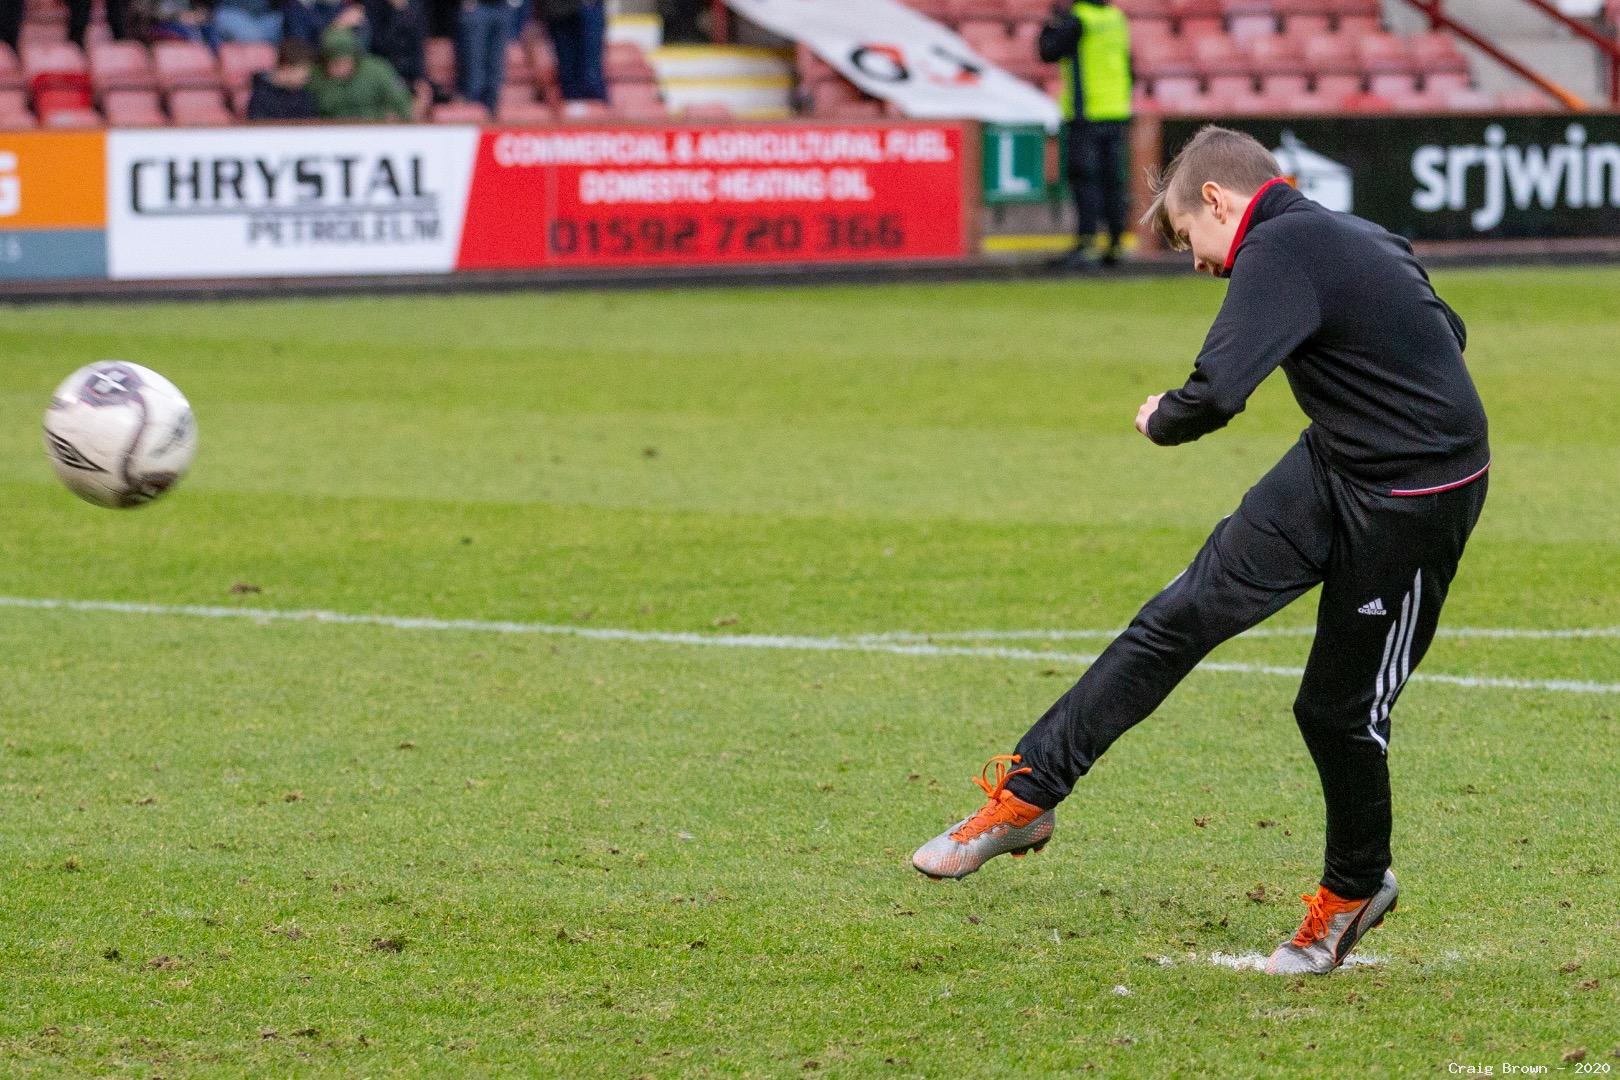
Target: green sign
{"x":1014,"y":164}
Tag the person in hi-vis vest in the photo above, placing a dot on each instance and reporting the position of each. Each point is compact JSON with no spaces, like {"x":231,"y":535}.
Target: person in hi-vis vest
{"x":1092,"y":41}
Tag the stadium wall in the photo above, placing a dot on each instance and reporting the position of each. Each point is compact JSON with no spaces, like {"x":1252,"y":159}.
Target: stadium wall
{"x":249,"y":207}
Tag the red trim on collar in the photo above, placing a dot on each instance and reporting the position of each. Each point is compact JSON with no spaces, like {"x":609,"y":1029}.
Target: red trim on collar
{"x":1243,"y":224}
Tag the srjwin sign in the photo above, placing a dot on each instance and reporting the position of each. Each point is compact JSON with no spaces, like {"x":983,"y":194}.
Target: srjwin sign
{"x":1452,"y":178}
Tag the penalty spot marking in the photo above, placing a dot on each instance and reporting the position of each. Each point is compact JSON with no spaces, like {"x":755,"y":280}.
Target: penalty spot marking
{"x":1257,"y":962}
{"x":858,"y":644}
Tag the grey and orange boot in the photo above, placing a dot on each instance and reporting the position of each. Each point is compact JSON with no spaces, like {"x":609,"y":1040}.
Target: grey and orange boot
{"x":1004,"y":825}
{"x":1332,"y":927}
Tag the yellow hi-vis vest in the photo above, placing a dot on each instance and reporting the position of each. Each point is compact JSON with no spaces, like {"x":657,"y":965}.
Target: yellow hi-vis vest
{"x":1100,"y":70}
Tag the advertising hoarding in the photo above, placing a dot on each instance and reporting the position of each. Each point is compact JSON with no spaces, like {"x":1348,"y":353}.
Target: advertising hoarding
{"x":694,"y":195}
{"x":53,"y":205}
{"x":287,"y":201}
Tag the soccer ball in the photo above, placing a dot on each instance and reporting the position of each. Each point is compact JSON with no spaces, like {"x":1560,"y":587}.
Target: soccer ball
{"x":119,"y":434}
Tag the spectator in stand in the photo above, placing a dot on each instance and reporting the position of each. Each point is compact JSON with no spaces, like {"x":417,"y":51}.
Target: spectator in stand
{"x":307,"y":20}
{"x":11,"y":15}
{"x":681,"y":22}
{"x":79,"y":20}
{"x":351,"y":84}
{"x":1092,"y":40}
{"x":282,"y":93}
{"x":247,"y":20}
{"x":169,"y":20}
{"x":578,"y":31}
{"x":398,"y":34}
{"x":481,"y":41}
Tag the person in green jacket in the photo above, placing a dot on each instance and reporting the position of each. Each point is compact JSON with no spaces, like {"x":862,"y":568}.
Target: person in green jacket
{"x":351,"y":84}
{"x":1092,"y":40}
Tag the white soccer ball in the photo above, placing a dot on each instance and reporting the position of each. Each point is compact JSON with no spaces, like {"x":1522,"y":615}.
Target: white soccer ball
{"x":119,"y":434}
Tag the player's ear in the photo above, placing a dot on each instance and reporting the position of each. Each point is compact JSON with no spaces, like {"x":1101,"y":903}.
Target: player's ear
{"x":1212,"y":195}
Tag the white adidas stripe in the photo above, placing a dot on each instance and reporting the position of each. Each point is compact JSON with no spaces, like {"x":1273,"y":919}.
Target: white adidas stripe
{"x":859,"y":644}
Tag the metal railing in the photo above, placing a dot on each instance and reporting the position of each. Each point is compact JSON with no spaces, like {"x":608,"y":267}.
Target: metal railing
{"x":1439,"y":20}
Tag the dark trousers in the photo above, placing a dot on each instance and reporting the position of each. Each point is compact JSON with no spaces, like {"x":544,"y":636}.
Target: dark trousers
{"x":11,"y":13}
{"x":579,"y":40}
{"x":481,"y":53}
{"x":1384,"y":563}
{"x":1098,"y":159}
{"x":79,"y":19}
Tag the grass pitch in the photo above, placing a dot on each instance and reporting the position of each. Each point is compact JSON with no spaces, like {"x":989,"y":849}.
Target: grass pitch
{"x":238,"y":846}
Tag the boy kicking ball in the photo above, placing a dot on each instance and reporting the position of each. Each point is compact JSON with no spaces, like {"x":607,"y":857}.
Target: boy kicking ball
{"x":1374,"y":503}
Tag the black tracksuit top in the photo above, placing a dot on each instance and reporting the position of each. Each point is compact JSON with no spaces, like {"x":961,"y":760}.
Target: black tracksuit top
{"x":1373,"y":356}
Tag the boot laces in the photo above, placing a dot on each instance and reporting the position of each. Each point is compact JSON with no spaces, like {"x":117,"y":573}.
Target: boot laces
{"x":995,"y":810}
{"x":1321,"y":906}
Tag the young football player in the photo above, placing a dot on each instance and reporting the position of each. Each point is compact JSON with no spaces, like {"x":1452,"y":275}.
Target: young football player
{"x":1374,"y":503}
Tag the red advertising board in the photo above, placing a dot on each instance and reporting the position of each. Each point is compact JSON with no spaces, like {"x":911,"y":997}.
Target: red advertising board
{"x":696,"y":195}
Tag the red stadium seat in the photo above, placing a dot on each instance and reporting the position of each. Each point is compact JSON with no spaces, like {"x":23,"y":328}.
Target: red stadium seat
{"x":199,"y":107}
{"x":525,"y":112}
{"x":645,"y":96}
{"x":1383,"y":54}
{"x":11,"y":77}
{"x":1034,"y":11}
{"x":625,"y":62}
{"x":984,"y":37}
{"x":60,"y":91}
{"x":1147,"y":9}
{"x":1276,"y":54}
{"x":1435,"y":53}
{"x":1442,"y":83}
{"x":858,"y":110}
{"x":1470,"y":100}
{"x":121,"y":65}
{"x":1308,"y":25}
{"x":1527,"y":100}
{"x":184,"y":65}
{"x":708,"y":113}
{"x":14,"y":110}
{"x":239,"y":61}
{"x":55,"y":57}
{"x":459,"y":112}
{"x":1338,"y":86}
{"x":70,"y":119}
{"x":133,"y":108}
{"x":1220,"y":56}
{"x":1158,"y":29}
{"x":1164,"y":58}
{"x":1249,"y":18}
{"x":1367,"y":103}
{"x":1331,"y":55}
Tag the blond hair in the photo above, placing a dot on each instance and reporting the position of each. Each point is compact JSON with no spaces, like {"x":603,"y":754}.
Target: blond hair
{"x":1216,"y":154}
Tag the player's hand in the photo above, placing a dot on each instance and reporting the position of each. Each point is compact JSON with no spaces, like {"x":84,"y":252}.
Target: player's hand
{"x":1149,"y":407}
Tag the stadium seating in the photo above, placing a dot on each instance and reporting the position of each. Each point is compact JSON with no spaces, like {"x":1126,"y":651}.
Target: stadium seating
{"x":199,"y":107}
{"x":121,"y":65}
{"x":240,"y":60}
{"x":184,"y":65}
{"x":133,"y":108}
{"x":14,"y":112}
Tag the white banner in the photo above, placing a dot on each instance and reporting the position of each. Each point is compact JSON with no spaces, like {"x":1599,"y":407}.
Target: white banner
{"x":892,"y":52}
{"x":284,"y":201}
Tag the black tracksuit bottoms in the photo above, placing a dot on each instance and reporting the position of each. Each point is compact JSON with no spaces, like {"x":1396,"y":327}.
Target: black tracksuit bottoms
{"x":1384,"y":563}
{"x":1098,"y":161}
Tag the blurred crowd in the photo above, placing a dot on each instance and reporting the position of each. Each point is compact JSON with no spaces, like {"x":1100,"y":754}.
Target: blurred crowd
{"x":365,"y":59}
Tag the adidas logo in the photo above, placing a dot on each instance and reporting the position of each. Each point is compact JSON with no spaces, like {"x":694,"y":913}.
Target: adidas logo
{"x":1375,"y":606}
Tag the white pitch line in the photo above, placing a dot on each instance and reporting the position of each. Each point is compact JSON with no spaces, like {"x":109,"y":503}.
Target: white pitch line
{"x":863,"y":644}
{"x":1505,"y":632}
